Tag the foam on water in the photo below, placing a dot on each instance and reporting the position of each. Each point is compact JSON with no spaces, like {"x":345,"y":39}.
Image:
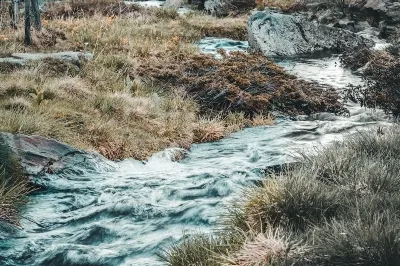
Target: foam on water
{"x":126,"y":215}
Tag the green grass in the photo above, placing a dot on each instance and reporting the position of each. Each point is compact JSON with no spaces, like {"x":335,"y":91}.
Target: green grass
{"x":339,"y":206}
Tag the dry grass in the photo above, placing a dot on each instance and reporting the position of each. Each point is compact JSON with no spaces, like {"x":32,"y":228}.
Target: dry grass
{"x":265,"y":248}
{"x":106,"y":106}
{"x":12,"y":197}
{"x":337,"y":206}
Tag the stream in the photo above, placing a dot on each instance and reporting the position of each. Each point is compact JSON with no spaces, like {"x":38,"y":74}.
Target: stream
{"x":126,"y":214}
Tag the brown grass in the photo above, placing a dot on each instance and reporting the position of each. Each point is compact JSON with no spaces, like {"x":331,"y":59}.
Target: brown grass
{"x":107,"y":106}
{"x":265,"y":248}
{"x":247,"y":83}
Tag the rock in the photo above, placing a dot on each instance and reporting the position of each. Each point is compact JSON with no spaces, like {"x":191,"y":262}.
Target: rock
{"x":326,"y":16}
{"x":216,"y":7}
{"x":173,"y":4}
{"x":345,"y":24}
{"x":55,"y":63}
{"x":222,"y":8}
{"x":22,"y":59}
{"x":39,"y":156}
{"x":279,"y":34}
{"x":278,"y":169}
{"x":377,"y":10}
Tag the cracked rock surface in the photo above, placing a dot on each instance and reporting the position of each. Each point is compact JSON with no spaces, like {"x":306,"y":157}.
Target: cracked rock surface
{"x":276,"y":34}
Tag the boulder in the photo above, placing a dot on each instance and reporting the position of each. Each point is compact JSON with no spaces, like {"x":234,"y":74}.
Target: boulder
{"x":276,"y":34}
{"x":222,"y":8}
{"x":38,"y":156}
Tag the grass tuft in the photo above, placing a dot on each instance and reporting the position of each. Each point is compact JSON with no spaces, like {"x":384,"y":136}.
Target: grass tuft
{"x":13,"y":191}
{"x":339,"y":205}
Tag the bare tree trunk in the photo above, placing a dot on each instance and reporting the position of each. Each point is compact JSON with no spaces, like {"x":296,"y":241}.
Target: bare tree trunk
{"x":36,"y":14}
{"x":28,"y":37}
{"x":14,"y":12}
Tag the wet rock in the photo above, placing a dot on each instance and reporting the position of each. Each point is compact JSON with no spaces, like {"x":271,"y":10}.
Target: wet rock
{"x":39,"y":156}
{"x":222,"y":8}
{"x":345,"y":24}
{"x":279,"y":34}
{"x":278,"y":169}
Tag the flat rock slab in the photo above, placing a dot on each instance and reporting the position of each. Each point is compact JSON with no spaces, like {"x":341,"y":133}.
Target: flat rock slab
{"x":39,"y":156}
{"x":22,"y":59}
{"x":276,"y":34}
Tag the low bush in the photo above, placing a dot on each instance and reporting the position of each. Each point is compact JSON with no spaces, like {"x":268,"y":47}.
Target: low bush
{"x":230,"y":85}
{"x":381,"y":77}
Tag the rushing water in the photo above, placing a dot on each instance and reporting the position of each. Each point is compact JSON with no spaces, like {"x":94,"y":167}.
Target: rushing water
{"x":124,"y":215}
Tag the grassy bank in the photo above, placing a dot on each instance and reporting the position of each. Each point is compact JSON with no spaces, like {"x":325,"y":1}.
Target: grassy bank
{"x":339,"y":206}
{"x":106,"y":105}
{"x":148,"y":87}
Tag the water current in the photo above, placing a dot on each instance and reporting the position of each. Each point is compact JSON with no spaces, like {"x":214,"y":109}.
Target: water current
{"x":124,"y":214}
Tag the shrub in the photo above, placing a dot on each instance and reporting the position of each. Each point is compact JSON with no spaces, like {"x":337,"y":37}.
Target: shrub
{"x":381,"y":78}
{"x":357,"y":57}
{"x":230,"y":85}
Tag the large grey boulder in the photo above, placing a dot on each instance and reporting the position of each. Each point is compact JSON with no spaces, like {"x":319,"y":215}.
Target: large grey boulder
{"x":222,"y":8}
{"x":276,"y":34}
{"x":37,"y":156}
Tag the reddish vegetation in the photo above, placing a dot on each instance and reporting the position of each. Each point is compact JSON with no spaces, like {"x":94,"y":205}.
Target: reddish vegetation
{"x":382,"y":78}
{"x":240,"y":82}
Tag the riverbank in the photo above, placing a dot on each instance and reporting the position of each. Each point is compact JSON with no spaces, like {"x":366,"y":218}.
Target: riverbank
{"x":336,"y":206}
{"x":138,"y":94}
